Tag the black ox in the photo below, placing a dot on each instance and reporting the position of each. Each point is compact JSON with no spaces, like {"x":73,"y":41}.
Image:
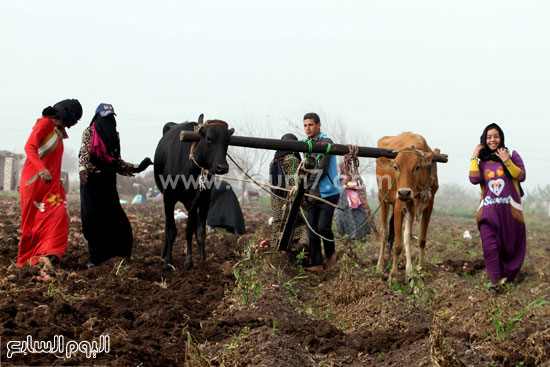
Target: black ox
{"x":177,"y":177}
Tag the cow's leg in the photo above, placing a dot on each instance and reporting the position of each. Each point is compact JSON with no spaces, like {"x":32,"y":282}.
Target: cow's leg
{"x":384,"y":209}
{"x":424,"y":222}
{"x":170,"y":231}
{"x":189,"y":230}
{"x":398,"y":244}
{"x":201,"y":225}
{"x":409,"y":220}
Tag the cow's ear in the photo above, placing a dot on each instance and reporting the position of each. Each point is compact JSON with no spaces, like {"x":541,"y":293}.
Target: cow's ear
{"x":231,"y":131}
{"x":384,"y":162}
{"x":201,"y":119}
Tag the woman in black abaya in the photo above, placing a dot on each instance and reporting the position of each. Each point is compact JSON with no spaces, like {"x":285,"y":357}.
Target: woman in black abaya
{"x":104,"y":223}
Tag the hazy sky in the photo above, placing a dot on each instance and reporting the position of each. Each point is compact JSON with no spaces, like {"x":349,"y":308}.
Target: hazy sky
{"x":444,"y":69}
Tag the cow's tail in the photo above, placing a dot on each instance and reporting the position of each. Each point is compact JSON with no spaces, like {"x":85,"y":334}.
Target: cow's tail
{"x":167,"y":127}
{"x":391,"y":233}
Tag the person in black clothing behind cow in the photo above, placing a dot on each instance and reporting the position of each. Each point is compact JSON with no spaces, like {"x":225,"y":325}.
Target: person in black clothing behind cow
{"x":323,"y":182}
{"x":225,"y":210}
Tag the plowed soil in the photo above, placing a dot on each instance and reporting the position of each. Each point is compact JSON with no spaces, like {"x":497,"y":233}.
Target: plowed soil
{"x":253,"y":306}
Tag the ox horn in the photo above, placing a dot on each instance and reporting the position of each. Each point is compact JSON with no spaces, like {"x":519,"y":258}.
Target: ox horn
{"x":201,"y":119}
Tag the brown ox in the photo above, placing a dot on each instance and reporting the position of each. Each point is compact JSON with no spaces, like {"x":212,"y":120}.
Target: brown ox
{"x":408,"y":183}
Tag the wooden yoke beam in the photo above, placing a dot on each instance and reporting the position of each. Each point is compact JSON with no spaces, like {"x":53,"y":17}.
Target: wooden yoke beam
{"x":302,"y":146}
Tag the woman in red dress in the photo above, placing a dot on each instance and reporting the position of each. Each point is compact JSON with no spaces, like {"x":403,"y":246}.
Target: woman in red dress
{"x":44,"y":218}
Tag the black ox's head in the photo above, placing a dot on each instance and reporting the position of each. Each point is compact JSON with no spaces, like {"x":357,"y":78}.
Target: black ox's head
{"x":211,"y":149}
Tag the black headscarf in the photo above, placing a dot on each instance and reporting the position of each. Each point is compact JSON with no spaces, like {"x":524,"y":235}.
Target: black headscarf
{"x":105,"y":127}
{"x":69,"y":111}
{"x":276,"y":169}
{"x":486,"y":154}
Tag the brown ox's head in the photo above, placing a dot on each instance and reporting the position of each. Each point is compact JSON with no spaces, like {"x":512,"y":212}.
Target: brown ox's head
{"x":412,"y":170}
{"x":212,"y":148}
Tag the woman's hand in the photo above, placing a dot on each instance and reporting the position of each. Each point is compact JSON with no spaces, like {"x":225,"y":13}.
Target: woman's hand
{"x":293,"y":191}
{"x":45,"y":175}
{"x":503,"y":154}
{"x":477,"y":150}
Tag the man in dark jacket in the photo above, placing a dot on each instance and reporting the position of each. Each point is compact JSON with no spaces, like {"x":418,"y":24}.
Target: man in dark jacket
{"x":323,"y":182}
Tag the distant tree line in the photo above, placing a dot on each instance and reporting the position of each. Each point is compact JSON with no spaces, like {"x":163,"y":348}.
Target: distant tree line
{"x":537,"y":200}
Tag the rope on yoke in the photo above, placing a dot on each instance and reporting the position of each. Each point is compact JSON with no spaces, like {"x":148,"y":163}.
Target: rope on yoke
{"x":329,"y":146}
{"x":351,"y":169}
{"x":310,"y":149}
{"x":310,"y":146}
{"x":320,"y":155}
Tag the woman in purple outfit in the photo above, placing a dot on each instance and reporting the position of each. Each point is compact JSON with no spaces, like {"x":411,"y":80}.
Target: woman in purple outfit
{"x":500,"y":216}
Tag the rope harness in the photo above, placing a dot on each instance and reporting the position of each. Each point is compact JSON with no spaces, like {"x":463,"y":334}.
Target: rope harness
{"x":351,"y":169}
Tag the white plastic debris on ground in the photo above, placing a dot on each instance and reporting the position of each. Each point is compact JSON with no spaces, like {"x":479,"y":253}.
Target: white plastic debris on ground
{"x":270,"y":222}
{"x":179,"y":215}
{"x":467,"y":235}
